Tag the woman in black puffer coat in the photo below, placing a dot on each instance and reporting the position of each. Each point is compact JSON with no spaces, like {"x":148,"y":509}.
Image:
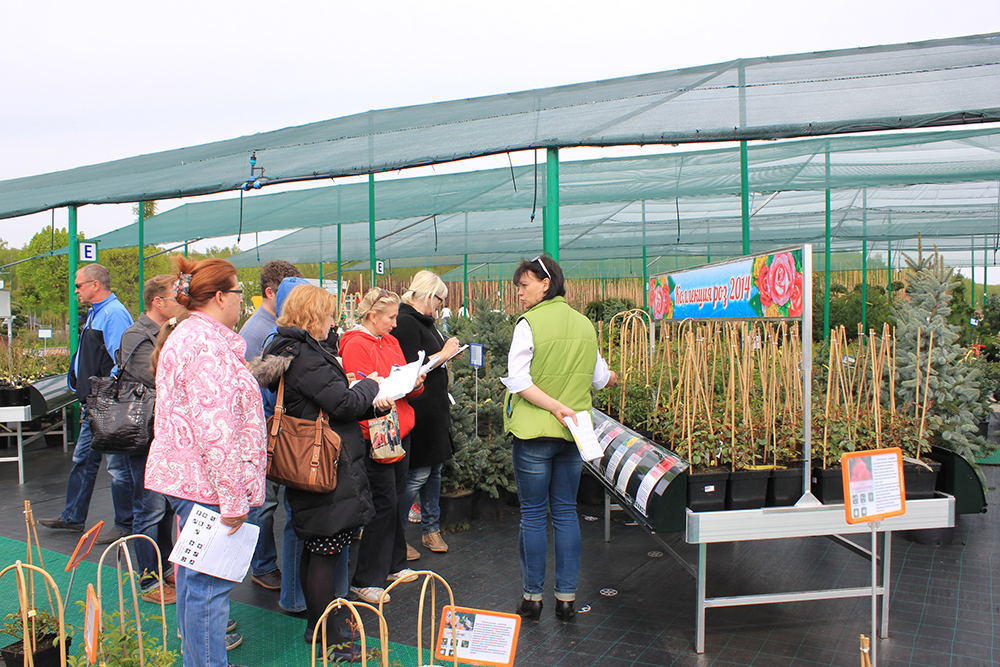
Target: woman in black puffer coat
{"x":314,"y":381}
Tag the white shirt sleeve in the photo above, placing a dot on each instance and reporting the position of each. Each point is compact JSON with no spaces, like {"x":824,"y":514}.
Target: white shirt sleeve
{"x":601,"y":373}
{"x":522,"y":349}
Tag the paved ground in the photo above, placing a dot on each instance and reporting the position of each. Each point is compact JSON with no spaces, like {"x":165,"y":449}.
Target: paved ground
{"x":943,"y":610}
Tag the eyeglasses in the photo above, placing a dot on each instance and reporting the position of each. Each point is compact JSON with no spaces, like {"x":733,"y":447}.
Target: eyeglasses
{"x":79,"y":285}
{"x":232,"y":291}
{"x":542,"y":264}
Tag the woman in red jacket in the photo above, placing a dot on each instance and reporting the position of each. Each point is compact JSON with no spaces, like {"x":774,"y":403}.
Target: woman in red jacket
{"x":365,"y":349}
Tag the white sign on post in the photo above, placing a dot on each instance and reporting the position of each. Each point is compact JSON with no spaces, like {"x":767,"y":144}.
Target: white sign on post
{"x":88,"y":252}
{"x":476,"y":355}
{"x":379,"y":267}
{"x":45,"y":333}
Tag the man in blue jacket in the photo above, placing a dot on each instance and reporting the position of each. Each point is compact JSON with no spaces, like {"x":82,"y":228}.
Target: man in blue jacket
{"x":99,"y":340}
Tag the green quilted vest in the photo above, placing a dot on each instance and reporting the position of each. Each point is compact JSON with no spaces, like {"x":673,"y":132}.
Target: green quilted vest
{"x":562,"y":366}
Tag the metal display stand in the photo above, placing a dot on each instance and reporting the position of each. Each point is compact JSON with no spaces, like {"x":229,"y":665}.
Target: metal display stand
{"x":47,"y":395}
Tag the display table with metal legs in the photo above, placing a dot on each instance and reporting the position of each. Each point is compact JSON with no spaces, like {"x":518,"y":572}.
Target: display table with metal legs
{"x":18,"y":415}
{"x":704,"y":528}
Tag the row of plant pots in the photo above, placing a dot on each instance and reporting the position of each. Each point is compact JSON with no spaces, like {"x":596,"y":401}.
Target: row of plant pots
{"x":14,"y":396}
{"x":751,"y":489}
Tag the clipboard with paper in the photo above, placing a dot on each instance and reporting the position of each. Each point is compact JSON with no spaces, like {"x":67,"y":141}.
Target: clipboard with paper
{"x":436,"y":360}
{"x":401,"y":379}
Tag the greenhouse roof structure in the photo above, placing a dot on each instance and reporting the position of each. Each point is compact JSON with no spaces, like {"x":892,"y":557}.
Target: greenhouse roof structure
{"x":884,"y":188}
{"x":934,"y":83}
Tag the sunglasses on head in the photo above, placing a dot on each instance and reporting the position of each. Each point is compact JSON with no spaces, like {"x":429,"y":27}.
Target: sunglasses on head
{"x":542,"y":264}
{"x":382,"y":294}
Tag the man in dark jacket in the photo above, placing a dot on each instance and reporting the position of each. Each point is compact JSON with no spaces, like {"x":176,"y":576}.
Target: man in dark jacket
{"x":151,"y":516}
{"x":95,"y":353}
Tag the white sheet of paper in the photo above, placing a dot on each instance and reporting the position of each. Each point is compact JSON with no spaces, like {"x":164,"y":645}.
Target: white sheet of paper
{"x":436,"y":361}
{"x":583,"y":433}
{"x":401,"y":380}
{"x":204,"y":545}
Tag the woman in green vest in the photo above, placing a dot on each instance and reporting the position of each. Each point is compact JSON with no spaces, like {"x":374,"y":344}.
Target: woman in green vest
{"x":552,"y":366}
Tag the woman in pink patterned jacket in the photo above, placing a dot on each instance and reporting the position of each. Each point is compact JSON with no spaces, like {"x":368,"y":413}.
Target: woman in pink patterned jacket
{"x":210,"y":442}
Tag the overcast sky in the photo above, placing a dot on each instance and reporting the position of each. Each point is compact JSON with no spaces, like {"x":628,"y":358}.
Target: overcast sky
{"x":87,"y":82}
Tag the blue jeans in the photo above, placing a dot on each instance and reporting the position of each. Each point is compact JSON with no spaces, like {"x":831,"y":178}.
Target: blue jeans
{"x":265,"y":556}
{"x":427,"y":481}
{"x":202,"y":607}
{"x":292,"y":598}
{"x":86,"y":463}
{"x":547,"y":471}
{"x":152,"y":520}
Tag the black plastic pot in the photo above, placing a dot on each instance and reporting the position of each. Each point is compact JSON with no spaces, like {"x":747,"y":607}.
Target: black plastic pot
{"x":48,"y":656}
{"x":485,"y":506}
{"x":456,"y":508}
{"x":706,"y":491}
{"x":919,"y":481}
{"x":828,"y":484}
{"x":784,"y":487}
{"x":747,"y":489}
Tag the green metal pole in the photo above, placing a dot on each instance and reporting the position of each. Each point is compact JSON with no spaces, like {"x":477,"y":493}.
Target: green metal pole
{"x":888,"y":258}
{"x":550,"y":221}
{"x":645,"y":272}
{"x":465,"y":278}
{"x":826,"y":299}
{"x":371,"y":225}
{"x":74,"y":260}
{"x":185,"y":250}
{"x":864,"y":260}
{"x":745,"y":195}
{"x":986,"y":245}
{"x":972,"y":278}
{"x":604,"y":289}
{"x":142,"y":259}
{"x":321,"y":257}
{"x":340,"y":281}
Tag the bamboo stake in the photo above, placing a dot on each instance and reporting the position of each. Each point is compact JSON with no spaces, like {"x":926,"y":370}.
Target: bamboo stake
{"x":829,"y":381}
{"x":916,"y":385}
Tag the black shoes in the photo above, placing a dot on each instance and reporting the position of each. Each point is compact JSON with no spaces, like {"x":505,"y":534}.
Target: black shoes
{"x":529,"y":609}
{"x":564,"y":610}
{"x":56,"y":523}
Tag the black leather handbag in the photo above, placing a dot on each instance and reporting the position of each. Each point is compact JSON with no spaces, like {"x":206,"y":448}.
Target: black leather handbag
{"x":120,"y":413}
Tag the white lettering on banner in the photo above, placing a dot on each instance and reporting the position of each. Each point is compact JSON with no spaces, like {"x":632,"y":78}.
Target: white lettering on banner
{"x":738,"y":289}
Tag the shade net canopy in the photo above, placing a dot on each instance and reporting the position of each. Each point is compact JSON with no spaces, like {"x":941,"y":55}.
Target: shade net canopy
{"x":436,"y":220}
{"x":932,"y":83}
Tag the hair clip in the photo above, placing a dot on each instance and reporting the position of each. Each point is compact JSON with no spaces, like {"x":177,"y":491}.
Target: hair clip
{"x":183,"y":284}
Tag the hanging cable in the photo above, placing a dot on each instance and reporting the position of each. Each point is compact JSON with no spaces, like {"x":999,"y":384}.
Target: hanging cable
{"x":435,"y":233}
{"x":511,"y":162}
{"x":534,"y":201}
{"x":256,"y":236}
{"x":677,"y":209}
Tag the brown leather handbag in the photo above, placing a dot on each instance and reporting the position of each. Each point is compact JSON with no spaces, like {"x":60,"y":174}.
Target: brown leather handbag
{"x":301,"y":454}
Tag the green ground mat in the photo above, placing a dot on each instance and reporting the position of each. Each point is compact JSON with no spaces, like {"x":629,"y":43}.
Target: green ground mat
{"x":270,"y":639}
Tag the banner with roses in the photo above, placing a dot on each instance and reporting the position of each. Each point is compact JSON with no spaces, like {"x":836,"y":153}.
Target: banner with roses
{"x":762,"y":286}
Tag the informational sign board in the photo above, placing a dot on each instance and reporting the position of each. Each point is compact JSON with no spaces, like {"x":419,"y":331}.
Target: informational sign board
{"x":480,"y":637}
{"x":4,"y":303}
{"x":92,"y":625}
{"x":45,"y":333}
{"x":476,"y":355}
{"x":83,"y":547}
{"x":752,"y":287}
{"x":873,"y":485}
{"x":88,"y":252}
{"x":379,"y":267}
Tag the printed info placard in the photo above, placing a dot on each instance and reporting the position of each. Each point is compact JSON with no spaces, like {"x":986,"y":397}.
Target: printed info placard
{"x":873,"y":485}
{"x":480,"y":637}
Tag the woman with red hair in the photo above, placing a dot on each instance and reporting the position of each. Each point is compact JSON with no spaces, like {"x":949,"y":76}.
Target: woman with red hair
{"x":209,"y":446}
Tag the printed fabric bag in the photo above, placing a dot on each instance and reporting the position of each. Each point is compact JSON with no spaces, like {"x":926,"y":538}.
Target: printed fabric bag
{"x":301,"y":453}
{"x":387,"y":445}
